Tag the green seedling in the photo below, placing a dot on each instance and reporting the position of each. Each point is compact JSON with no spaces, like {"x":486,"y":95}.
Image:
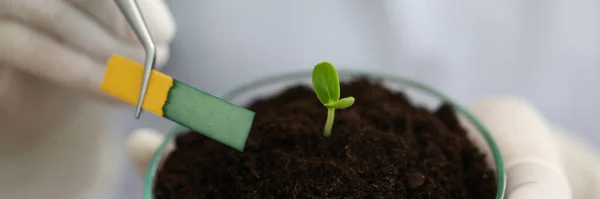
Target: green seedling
{"x":327,"y":87}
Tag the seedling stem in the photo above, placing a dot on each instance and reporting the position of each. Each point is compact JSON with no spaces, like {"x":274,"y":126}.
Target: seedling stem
{"x":329,"y":122}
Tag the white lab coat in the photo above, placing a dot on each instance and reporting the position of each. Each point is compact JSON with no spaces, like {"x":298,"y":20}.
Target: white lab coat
{"x":545,"y":51}
{"x":68,"y":154}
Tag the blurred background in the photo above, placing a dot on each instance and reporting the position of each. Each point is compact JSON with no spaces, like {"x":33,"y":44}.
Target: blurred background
{"x":544,"y":51}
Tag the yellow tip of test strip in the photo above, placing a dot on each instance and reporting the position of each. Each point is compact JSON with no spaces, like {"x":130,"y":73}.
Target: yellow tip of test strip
{"x":123,"y":79}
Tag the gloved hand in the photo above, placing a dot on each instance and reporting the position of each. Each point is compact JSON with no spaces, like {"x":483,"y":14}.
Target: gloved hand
{"x":541,"y":161}
{"x":52,"y":58}
{"x":53,"y":55}
{"x":68,"y":42}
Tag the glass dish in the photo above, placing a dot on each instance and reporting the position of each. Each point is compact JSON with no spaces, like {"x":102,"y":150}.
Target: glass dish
{"x":417,"y":92}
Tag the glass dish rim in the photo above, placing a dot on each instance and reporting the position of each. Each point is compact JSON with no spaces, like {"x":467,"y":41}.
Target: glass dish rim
{"x":497,"y":157}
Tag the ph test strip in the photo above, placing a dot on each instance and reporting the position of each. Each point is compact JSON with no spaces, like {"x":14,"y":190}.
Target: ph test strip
{"x":169,"y":98}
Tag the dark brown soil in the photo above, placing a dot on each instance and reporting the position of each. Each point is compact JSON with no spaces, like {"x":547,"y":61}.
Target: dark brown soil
{"x":381,"y":147}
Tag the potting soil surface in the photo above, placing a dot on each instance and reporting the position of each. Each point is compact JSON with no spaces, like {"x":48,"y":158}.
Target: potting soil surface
{"x":381,"y":147}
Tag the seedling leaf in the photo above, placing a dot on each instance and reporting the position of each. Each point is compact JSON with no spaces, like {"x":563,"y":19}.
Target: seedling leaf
{"x":342,"y":103}
{"x":326,"y":83}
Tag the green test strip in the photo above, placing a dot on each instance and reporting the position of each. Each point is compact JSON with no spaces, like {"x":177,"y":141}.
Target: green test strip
{"x":209,"y":115}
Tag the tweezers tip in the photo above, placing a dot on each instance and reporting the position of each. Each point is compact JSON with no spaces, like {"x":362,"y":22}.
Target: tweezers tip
{"x":138,"y":112}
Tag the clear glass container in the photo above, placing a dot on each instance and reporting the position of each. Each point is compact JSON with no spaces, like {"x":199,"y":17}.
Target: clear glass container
{"x":417,"y":92}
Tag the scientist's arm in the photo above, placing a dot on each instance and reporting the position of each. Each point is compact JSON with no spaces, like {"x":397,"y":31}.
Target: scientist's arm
{"x":69,"y":41}
{"x":540,"y":162}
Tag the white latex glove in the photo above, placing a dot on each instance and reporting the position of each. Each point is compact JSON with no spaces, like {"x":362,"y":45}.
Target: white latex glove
{"x":69,"y":42}
{"x":53,"y":51}
{"x":541,"y":162}
{"x":54,"y":141}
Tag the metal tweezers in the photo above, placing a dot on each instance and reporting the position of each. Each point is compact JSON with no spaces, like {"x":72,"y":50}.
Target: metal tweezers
{"x":131,"y":11}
